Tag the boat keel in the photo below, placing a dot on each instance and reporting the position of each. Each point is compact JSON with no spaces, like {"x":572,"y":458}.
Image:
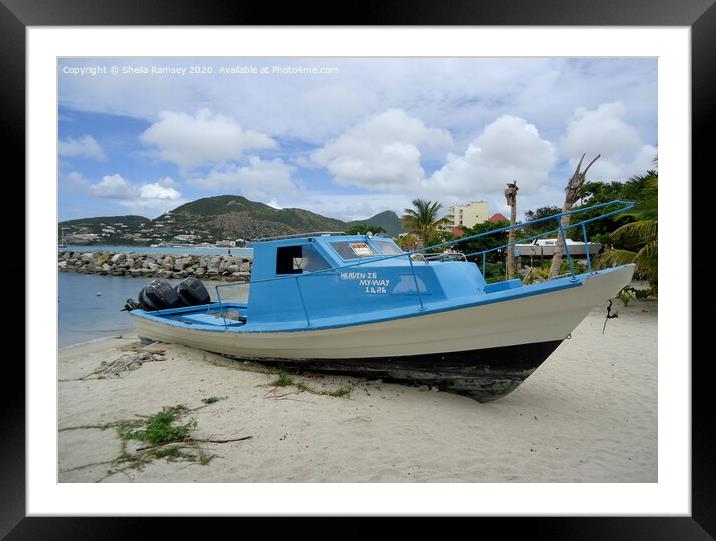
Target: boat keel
{"x":482,"y":374}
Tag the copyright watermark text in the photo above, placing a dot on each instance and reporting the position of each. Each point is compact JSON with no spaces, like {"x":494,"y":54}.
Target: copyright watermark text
{"x":233,"y":69}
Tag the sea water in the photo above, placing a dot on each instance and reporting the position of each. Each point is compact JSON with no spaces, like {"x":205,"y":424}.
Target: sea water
{"x":89,"y":306}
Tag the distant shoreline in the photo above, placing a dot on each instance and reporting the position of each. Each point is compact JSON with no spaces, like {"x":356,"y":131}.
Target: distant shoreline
{"x":171,"y":250}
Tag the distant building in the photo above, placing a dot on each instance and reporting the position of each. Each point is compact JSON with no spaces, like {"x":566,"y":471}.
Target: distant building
{"x":467,"y":214}
{"x":82,"y":237}
{"x":184,"y":238}
{"x":498,"y":218}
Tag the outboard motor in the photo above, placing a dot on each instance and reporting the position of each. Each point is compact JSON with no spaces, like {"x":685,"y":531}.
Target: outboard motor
{"x":160,"y":294}
{"x":145,"y":302}
{"x":131,"y":304}
{"x":139,"y":304}
{"x":192,"y":292}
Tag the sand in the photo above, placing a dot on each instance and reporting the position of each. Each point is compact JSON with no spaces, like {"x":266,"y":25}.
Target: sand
{"x":588,"y":414}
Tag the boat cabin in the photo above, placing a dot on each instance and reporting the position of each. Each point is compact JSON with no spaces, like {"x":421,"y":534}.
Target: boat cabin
{"x":299,"y":279}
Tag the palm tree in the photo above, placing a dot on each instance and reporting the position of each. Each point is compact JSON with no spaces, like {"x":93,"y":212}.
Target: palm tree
{"x":641,"y":246}
{"x":638,"y":240}
{"x":423,"y":219}
{"x":574,"y":187}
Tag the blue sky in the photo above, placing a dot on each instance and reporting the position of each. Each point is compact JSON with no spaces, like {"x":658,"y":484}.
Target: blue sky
{"x":345,"y":137}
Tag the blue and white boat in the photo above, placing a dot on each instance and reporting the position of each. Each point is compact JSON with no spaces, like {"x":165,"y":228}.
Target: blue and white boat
{"x":358,"y":304}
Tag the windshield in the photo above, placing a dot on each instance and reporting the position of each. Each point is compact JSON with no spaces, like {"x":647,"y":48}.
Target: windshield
{"x":387,"y":247}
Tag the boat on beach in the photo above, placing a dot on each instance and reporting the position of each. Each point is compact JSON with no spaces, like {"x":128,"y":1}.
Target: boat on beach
{"x":359,"y":305}
{"x":546,"y":247}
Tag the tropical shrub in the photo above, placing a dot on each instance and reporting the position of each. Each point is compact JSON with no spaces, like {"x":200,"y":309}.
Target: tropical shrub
{"x":638,"y":241}
{"x":423,"y":221}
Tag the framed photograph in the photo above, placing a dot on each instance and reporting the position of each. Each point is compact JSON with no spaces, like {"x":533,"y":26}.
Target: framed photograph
{"x":232,"y":183}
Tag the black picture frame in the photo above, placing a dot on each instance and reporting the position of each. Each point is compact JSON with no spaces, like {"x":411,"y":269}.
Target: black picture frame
{"x":699,"y":15}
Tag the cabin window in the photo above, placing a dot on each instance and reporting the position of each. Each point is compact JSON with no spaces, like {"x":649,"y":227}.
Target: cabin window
{"x":299,"y":259}
{"x":353,"y":249}
{"x":388,"y":247}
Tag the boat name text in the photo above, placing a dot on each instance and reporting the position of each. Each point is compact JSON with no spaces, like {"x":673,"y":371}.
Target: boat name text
{"x":369,"y":281}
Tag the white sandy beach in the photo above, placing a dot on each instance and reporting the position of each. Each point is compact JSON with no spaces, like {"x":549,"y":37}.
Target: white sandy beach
{"x":588,"y":414}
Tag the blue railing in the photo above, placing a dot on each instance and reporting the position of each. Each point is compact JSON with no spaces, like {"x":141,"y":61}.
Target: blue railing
{"x":561,"y":230}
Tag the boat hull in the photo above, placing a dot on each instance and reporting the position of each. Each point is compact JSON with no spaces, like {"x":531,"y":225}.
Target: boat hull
{"x":484,"y":350}
{"x":482,"y":374}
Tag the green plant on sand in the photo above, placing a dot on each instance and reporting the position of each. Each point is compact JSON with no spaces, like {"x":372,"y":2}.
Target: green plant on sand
{"x":343,"y":391}
{"x":285,"y":380}
{"x":164,"y":435}
{"x":628,"y":293}
{"x":158,"y":428}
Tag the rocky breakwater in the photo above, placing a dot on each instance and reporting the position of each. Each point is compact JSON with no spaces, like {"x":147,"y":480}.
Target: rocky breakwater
{"x":212,"y":267}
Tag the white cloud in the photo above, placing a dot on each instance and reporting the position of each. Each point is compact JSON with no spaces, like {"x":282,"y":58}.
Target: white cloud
{"x":203,"y":138}
{"x":152,"y":207}
{"x":452,"y":93}
{"x":258,"y":179}
{"x":605,"y":131}
{"x":382,"y":152}
{"x":345,"y":207}
{"x":507,"y":149}
{"x":340,"y":115}
{"x":149,"y":198}
{"x":113,"y":187}
{"x":383,"y":155}
{"x":85,"y":147}
{"x":157,"y":191}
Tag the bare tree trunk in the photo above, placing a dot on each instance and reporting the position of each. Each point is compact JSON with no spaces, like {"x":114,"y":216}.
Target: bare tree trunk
{"x":511,"y":197}
{"x":570,"y":198}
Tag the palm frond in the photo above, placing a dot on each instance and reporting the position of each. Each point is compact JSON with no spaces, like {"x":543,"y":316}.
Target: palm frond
{"x":423,"y":218}
{"x":651,"y":249}
{"x":614,"y":258}
{"x":647,"y":259}
{"x":636,"y":233}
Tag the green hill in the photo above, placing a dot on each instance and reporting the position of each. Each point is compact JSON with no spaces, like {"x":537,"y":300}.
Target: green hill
{"x":104,"y":230}
{"x":388,"y":220}
{"x":233,"y":216}
{"x":129,"y":220}
{"x":211,"y":219}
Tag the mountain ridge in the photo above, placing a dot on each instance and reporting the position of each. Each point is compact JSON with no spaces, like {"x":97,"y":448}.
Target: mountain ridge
{"x":210,"y":219}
